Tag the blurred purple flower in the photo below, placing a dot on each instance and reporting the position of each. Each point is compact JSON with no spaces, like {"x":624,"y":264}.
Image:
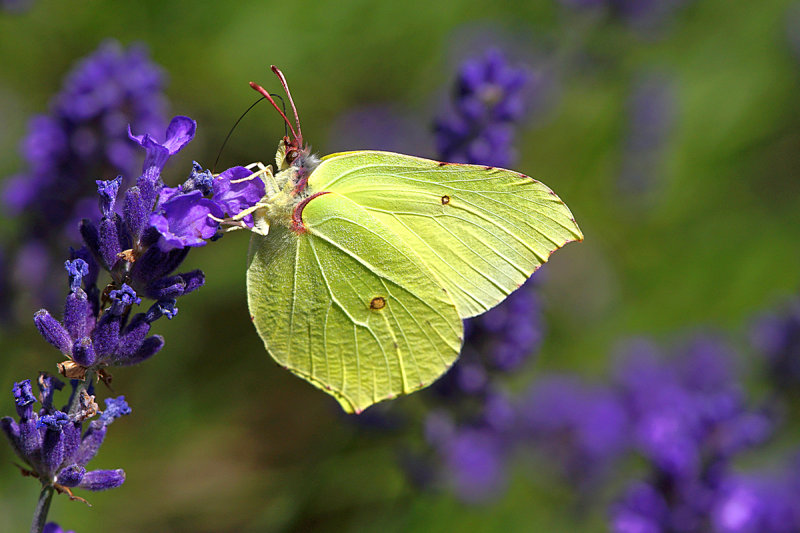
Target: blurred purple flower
{"x":640,"y":13}
{"x":641,"y":510}
{"x":82,"y":136}
{"x":689,"y":421}
{"x":651,"y":110}
{"x":583,"y":428}
{"x":490,"y":97}
{"x":757,"y":503}
{"x":776,"y":336}
{"x":475,"y":464}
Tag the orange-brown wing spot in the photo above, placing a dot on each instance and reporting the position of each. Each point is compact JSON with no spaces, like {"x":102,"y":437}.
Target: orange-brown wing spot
{"x":379,"y":302}
{"x":445,"y":200}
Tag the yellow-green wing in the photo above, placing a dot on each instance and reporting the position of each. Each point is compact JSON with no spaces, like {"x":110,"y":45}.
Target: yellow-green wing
{"x":345,"y":304}
{"x":482,"y":230}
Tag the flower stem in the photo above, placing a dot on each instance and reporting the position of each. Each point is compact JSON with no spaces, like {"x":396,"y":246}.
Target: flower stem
{"x":75,"y":401}
{"x":42,"y":508}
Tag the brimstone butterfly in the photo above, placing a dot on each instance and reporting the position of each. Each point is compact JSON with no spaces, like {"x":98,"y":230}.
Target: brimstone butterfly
{"x":363,"y":264}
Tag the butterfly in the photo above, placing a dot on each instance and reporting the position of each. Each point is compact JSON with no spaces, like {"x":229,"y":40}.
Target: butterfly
{"x":362,"y":265}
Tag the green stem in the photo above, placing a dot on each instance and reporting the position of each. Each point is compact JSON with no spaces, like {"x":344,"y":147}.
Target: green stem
{"x":42,"y":508}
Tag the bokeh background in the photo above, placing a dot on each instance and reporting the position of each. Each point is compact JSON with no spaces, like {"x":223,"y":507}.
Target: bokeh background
{"x":671,"y":129}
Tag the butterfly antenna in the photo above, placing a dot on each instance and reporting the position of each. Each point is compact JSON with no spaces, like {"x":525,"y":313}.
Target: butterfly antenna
{"x":285,"y":86}
{"x":228,"y":136}
{"x":258,"y":88}
{"x":283,"y":105}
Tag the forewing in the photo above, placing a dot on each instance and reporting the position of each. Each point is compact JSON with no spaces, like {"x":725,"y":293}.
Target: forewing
{"x":482,"y":230}
{"x":349,"y":307}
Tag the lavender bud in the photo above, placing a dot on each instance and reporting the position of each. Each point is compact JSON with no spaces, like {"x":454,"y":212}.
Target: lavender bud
{"x":109,"y":242}
{"x":136,"y":213}
{"x":97,"y":480}
{"x":52,"y":331}
{"x":71,"y":475}
{"x":78,"y":314}
{"x":83,"y":352}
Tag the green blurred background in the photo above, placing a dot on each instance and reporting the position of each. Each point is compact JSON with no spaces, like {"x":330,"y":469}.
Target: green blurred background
{"x":221,"y":439}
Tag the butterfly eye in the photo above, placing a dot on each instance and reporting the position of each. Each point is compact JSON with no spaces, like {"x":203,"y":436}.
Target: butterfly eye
{"x":445,"y":200}
{"x":379,"y":302}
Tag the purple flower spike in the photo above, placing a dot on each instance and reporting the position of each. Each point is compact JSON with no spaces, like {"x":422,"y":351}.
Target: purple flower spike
{"x":184,"y":221}
{"x":108,"y":191}
{"x":82,"y":135}
{"x":97,"y":480}
{"x":490,"y":97}
{"x":52,"y":444}
{"x":237,"y":189}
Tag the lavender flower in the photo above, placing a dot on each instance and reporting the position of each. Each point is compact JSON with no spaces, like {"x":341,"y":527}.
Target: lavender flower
{"x":475,"y":464}
{"x":510,"y":333}
{"x":763,"y":502}
{"x":581,"y":428}
{"x":689,"y":421}
{"x":475,"y":433}
{"x":490,"y":97}
{"x":776,"y":336}
{"x":140,"y":249}
{"x":82,"y":135}
{"x":52,"y":443}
